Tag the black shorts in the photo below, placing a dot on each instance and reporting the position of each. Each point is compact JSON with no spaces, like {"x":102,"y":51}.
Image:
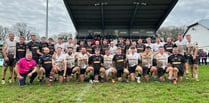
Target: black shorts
{"x":96,"y":71}
{"x":60,"y":73}
{"x":69,"y":71}
{"x":132,"y":69}
{"x":190,"y":60}
{"x":119,"y":73}
{"x":161,"y":71}
{"x":10,"y":63}
{"x":82,"y":70}
{"x":47,"y":71}
{"x":181,"y":72}
{"x":146,"y":70}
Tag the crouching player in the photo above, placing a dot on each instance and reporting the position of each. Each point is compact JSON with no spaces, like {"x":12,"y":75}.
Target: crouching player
{"x":177,"y":63}
{"x":45,"y":63}
{"x":71,"y":68}
{"x":108,"y":65}
{"x":160,"y":63}
{"x":59,"y":64}
{"x":26,"y":67}
{"x":119,"y":61}
{"x":96,"y":62}
{"x":133,"y":59}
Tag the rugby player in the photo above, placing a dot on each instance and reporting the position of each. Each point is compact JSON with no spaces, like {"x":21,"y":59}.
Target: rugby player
{"x":191,"y":56}
{"x":169,"y":45}
{"x":119,"y":61}
{"x":140,"y":46}
{"x":108,"y":65}
{"x":133,"y":59}
{"x":51,"y":46}
{"x":43,"y":44}
{"x":9,"y":54}
{"x":26,"y":67}
{"x":177,"y":63}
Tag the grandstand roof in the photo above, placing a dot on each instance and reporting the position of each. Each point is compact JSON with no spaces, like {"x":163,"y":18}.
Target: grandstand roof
{"x":118,"y":14}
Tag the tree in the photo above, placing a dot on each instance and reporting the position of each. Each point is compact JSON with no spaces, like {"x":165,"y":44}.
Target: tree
{"x":3,"y":32}
{"x":171,"y":32}
{"x":22,"y":29}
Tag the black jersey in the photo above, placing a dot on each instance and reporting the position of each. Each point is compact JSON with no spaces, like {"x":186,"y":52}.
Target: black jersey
{"x":122,"y":46}
{"x":51,"y":48}
{"x":45,"y":61}
{"x":89,"y":49}
{"x":119,"y":61}
{"x":177,"y":61}
{"x":169,"y":47}
{"x":33,"y":47}
{"x":20,"y":50}
{"x":42,"y":46}
{"x":140,"y":48}
{"x":96,"y":61}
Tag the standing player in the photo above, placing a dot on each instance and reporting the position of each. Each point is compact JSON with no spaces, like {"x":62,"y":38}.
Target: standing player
{"x":160,"y":63}
{"x":119,"y":61}
{"x":147,"y":59}
{"x":45,"y":63}
{"x":133,"y":59}
{"x":60,"y":64}
{"x":33,"y":46}
{"x":43,"y":44}
{"x":177,"y":62}
{"x":96,"y":62}
{"x":21,"y":48}
{"x":82,"y":59}
{"x":51,"y":46}
{"x":59,"y":44}
{"x":108,"y":65}
{"x":140,"y":46}
{"x":191,"y":56}
{"x":9,"y":54}
{"x":169,"y":45}
{"x":71,"y":63}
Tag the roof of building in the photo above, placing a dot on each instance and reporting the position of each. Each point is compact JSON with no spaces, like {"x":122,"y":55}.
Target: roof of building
{"x":118,"y":14}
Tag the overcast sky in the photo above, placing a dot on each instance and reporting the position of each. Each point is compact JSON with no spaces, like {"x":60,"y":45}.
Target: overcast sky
{"x":33,"y":12}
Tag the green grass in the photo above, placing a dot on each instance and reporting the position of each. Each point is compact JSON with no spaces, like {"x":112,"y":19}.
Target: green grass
{"x":188,"y":91}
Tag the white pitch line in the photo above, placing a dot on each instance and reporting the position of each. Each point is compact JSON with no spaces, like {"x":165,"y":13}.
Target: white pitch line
{"x":82,"y":93}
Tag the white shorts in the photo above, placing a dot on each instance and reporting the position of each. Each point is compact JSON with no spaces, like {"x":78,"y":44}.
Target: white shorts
{"x":108,"y":71}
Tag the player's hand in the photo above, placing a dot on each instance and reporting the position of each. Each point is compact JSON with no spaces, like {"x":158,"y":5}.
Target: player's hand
{"x":194,"y":57}
{"x":6,"y":58}
{"x":30,"y":74}
{"x":20,"y":77}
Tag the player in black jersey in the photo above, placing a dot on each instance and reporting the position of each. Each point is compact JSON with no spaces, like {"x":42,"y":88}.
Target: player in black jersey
{"x":177,"y":62}
{"x":169,"y":45}
{"x":33,"y":46}
{"x":51,"y":46}
{"x":43,"y":44}
{"x":119,"y":61}
{"x":89,"y":47}
{"x":21,"y":48}
{"x":45,"y":63}
{"x":96,"y":61}
{"x":140,"y":46}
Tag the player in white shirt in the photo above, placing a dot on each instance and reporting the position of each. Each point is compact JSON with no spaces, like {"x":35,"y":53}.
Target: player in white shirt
{"x":133,"y":59}
{"x":149,"y":43}
{"x":59,"y":44}
{"x":68,"y":44}
{"x":60,"y":64}
{"x":108,"y":65}
{"x":160,"y":63}
{"x":112,"y":48}
{"x":157,"y":44}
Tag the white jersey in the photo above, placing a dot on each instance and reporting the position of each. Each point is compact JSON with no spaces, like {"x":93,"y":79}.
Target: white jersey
{"x":161,"y":60}
{"x":157,"y":45}
{"x":113,"y":50}
{"x":108,"y":61}
{"x":150,"y":45}
{"x":59,"y":61}
{"x":59,"y":45}
{"x":181,"y":46}
{"x":67,"y":45}
{"x":10,"y":47}
{"x":147,"y":59}
{"x":70,"y":60}
{"x":133,"y":59}
{"x":190,"y":47}
{"x":82,"y":60}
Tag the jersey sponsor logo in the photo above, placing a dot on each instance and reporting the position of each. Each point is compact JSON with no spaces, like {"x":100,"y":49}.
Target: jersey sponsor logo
{"x":176,"y":63}
{"x":120,"y":60}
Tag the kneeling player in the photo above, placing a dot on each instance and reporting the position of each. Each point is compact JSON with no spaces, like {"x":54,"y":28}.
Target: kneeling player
{"x":70,"y":59}
{"x":96,"y":62}
{"x":60,"y":64}
{"x":133,"y":59}
{"x":177,"y":62}
{"x":160,"y":63}
{"x":108,"y":65}
{"x":45,"y":63}
{"x":119,"y":62}
{"x":147,"y":59}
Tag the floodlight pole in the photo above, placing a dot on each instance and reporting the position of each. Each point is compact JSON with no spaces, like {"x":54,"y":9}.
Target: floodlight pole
{"x":47,"y":8}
